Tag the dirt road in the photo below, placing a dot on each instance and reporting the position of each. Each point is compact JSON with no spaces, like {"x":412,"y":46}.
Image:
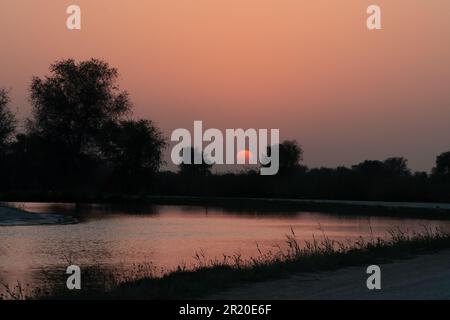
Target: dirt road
{"x":423,"y":277}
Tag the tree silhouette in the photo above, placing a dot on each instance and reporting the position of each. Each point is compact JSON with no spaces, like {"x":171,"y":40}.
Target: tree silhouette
{"x":7,"y":121}
{"x":71,"y":106}
{"x":443,"y":165}
{"x":291,"y":155}
{"x":133,"y":146}
{"x":396,"y":167}
{"x":391,"y":167}
{"x":193,"y":169}
{"x":370,"y":168}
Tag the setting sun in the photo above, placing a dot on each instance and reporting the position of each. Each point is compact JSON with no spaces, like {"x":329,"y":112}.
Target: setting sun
{"x":245,"y":156}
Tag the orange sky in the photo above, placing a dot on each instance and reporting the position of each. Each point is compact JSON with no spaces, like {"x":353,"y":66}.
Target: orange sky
{"x":309,"y":68}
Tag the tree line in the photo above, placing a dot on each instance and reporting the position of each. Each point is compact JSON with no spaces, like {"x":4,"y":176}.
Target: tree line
{"x":81,"y":136}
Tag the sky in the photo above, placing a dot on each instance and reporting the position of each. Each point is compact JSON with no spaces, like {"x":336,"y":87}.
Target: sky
{"x":309,"y":68}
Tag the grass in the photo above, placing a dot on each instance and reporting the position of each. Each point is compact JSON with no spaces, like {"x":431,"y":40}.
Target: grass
{"x":211,"y":276}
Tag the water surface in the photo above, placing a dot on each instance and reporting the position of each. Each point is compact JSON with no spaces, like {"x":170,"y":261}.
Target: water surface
{"x":168,"y":236}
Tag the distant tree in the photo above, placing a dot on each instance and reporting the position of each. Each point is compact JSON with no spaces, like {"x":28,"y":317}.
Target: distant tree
{"x":71,"y":106}
{"x":371,"y":168}
{"x":133,"y":146}
{"x":391,"y":167}
{"x":396,"y":167}
{"x":291,"y":156}
{"x":442,"y":168}
{"x":193,"y":169}
{"x":7,"y":121}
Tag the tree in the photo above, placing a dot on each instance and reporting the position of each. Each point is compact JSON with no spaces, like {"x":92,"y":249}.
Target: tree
{"x":71,"y":106}
{"x":370,"y":168}
{"x":291,"y":155}
{"x":7,"y":121}
{"x":193,"y":169}
{"x":442,"y":165}
{"x":133,"y":147}
{"x":396,"y":167}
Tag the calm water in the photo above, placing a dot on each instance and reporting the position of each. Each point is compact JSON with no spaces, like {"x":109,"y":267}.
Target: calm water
{"x":167,"y":236}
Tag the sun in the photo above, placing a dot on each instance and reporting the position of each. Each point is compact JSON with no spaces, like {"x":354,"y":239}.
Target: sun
{"x":244,"y":156}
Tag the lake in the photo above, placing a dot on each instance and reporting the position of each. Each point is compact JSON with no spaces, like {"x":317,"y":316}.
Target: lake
{"x":168,"y":236}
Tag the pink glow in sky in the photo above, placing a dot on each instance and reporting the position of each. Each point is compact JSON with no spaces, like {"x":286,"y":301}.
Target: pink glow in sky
{"x":310,"y":68}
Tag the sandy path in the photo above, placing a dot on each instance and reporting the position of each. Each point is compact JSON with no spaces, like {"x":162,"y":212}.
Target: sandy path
{"x":423,"y":277}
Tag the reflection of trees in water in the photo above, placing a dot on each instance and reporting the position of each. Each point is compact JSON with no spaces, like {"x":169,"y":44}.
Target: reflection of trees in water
{"x":84,"y":211}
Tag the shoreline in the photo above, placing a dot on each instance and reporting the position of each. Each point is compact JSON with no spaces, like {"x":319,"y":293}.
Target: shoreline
{"x":12,"y":217}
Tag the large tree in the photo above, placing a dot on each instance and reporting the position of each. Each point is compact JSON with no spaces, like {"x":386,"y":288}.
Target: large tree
{"x":73,"y":103}
{"x":7,"y":121}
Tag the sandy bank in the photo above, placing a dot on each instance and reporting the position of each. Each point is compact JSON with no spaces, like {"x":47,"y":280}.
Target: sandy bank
{"x":16,"y":217}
